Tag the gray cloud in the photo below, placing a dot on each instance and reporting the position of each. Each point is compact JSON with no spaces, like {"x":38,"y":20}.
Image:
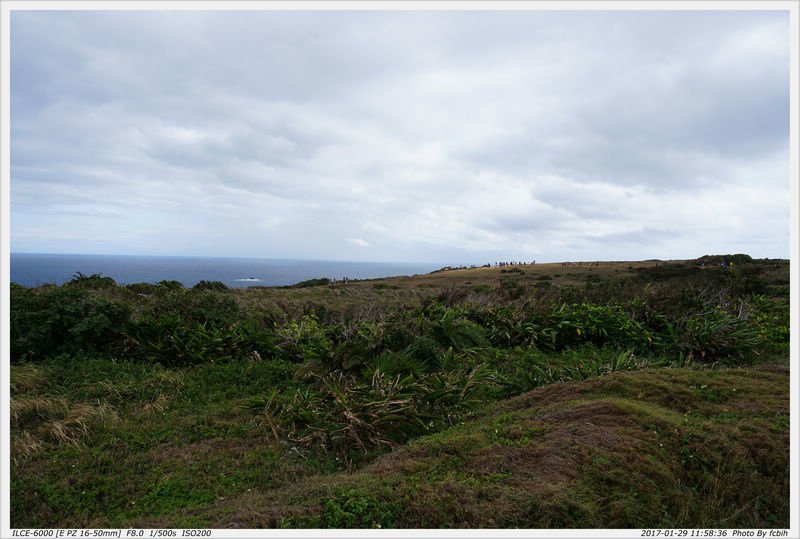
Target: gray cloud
{"x":437,"y":136}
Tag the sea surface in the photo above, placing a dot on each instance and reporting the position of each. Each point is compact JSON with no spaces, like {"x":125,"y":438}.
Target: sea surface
{"x":38,"y":269}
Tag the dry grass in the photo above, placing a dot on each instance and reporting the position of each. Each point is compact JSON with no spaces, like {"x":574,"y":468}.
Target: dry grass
{"x":23,"y":445}
{"x":27,"y":377}
{"x":37,"y":421}
{"x":26,"y":411}
{"x":370,"y":299}
{"x":157,"y":405}
{"x":153,"y":394}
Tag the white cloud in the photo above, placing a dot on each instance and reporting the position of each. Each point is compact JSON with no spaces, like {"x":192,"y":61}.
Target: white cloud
{"x":439,"y":136}
{"x":358,"y":241}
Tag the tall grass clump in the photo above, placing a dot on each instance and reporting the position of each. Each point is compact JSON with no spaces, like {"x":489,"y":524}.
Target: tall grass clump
{"x":350,"y":416}
{"x":37,"y":421}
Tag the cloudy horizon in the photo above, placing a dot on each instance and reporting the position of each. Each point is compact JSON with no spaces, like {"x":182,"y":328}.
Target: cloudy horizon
{"x":450,"y":136}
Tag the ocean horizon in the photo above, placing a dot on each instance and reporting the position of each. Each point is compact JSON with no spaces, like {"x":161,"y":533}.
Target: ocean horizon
{"x":37,"y":269}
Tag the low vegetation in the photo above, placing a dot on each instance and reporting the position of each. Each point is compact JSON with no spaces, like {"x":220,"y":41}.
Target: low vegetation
{"x":613,"y":395}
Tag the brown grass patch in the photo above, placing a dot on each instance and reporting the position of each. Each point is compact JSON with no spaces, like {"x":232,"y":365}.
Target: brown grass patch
{"x":203,"y":450}
{"x":26,"y":378}
{"x":36,"y":421}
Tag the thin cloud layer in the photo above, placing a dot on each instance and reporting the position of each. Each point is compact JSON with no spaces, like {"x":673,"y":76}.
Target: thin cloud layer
{"x":418,"y":136}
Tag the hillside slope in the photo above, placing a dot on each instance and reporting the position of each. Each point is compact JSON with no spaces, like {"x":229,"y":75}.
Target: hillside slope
{"x":657,"y":448}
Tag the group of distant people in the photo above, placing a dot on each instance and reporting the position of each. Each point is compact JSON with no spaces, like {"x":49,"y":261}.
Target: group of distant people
{"x":515,"y":263}
{"x":518,"y":263}
{"x":723,"y":265}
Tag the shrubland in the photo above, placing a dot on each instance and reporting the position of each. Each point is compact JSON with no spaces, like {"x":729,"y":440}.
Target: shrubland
{"x":617,"y":395}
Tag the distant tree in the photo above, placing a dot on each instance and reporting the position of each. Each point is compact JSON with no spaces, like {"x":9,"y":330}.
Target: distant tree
{"x":170,"y":285}
{"x":739,"y":258}
{"x":95,"y":280}
{"x":210,"y":285}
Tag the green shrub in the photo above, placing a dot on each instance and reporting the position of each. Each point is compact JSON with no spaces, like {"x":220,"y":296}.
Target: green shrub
{"x":392,"y":363}
{"x":452,"y":329}
{"x":712,"y":335}
{"x":500,"y":325}
{"x":771,"y":319}
{"x":210,"y":285}
{"x":193,"y":305}
{"x":173,"y":341}
{"x":142,"y":288}
{"x":512,"y":289}
{"x":349,"y":508}
{"x":595,"y":324}
{"x":50,"y":321}
{"x":719,"y":259}
{"x":169,"y":285}
{"x":527,"y":369}
{"x":93,"y":281}
{"x":304,"y":339}
{"x":423,"y":349}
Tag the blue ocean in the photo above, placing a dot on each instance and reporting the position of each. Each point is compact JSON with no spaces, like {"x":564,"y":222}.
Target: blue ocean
{"x":38,"y":269}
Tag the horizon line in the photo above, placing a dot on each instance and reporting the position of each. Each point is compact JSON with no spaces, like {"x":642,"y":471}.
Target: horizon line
{"x":445,"y":264}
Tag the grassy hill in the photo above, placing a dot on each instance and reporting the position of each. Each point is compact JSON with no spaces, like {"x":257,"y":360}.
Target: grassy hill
{"x":657,"y":448}
{"x":630,"y":394}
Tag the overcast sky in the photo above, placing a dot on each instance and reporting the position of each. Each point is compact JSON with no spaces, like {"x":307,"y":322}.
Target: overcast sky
{"x":455,"y":137}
